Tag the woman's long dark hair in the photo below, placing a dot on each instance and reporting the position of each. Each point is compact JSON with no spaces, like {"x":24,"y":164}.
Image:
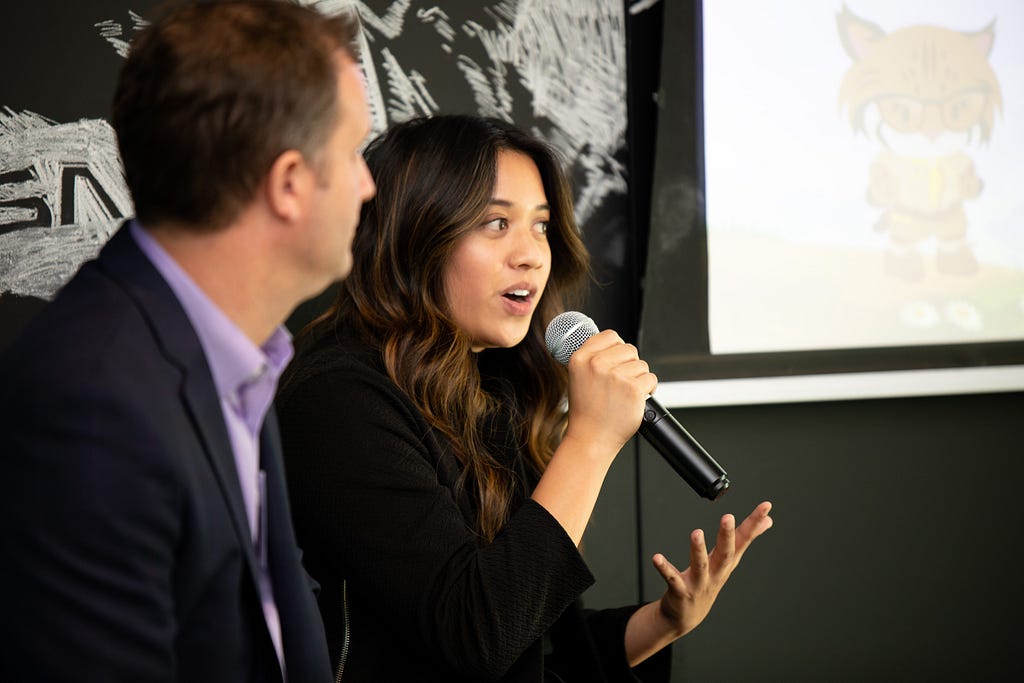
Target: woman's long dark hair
{"x":435,"y":178}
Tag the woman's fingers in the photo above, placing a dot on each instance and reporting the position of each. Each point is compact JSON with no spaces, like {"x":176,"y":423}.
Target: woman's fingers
{"x":725,"y":544}
{"x":756,"y":523}
{"x":608,"y":383}
{"x":669,"y":572}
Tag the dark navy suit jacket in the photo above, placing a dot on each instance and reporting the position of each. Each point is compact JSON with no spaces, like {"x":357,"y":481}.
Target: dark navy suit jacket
{"x":125,"y":554}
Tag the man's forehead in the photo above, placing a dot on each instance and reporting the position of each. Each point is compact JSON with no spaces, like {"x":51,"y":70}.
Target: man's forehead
{"x":352,"y":81}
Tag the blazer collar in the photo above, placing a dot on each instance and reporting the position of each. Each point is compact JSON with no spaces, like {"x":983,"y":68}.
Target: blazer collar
{"x":124,"y":262}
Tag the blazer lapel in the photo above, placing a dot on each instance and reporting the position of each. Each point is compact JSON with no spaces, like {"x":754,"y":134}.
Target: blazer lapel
{"x":305,"y":644}
{"x":122,"y":259}
{"x":203,"y":404}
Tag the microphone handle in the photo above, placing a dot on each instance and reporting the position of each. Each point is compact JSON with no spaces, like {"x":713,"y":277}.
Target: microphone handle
{"x":682,"y":451}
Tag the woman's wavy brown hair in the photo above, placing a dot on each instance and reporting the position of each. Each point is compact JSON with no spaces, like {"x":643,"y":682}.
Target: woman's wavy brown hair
{"x":435,"y":178}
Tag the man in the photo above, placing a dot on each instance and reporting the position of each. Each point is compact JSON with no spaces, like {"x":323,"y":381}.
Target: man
{"x":145,"y":533}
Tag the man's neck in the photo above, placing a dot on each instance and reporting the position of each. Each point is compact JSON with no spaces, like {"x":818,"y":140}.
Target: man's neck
{"x":234,"y":266}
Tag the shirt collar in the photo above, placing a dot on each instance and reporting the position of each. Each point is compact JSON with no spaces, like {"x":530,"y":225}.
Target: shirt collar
{"x":236,"y":363}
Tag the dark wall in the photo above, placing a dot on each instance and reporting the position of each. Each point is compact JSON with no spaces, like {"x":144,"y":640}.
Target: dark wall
{"x":893,"y":556}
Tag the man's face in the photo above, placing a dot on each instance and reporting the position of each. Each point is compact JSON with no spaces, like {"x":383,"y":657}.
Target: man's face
{"x":343,"y":180}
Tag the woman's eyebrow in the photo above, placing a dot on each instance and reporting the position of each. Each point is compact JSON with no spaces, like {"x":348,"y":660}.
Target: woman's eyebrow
{"x":508,"y":204}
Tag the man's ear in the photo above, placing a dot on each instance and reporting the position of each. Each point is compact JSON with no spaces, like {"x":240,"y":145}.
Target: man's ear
{"x":288,"y":184}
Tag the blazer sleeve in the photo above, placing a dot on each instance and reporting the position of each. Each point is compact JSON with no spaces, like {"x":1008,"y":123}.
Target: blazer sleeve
{"x":364,"y":467}
{"x":607,"y":629}
{"x":87,"y":538}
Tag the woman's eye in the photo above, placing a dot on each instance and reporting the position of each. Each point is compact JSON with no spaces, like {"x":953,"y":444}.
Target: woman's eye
{"x":542,"y":227}
{"x":497,"y":224}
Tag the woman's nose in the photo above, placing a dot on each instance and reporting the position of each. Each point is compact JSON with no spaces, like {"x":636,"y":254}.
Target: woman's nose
{"x":529,"y":248}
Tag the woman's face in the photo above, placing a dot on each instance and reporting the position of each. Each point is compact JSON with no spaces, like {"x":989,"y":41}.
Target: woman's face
{"x":497,"y":272}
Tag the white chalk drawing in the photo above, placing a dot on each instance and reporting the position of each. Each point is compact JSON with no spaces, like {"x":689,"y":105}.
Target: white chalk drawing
{"x":642,"y":5}
{"x":114,"y":32}
{"x":62,"y":193}
{"x":559,"y":62}
{"x":437,"y":17}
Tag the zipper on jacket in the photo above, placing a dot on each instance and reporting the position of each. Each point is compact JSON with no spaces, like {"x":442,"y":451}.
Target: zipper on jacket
{"x":344,"y":643}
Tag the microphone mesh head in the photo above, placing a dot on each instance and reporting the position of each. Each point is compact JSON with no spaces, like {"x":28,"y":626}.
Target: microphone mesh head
{"x":566,"y":332}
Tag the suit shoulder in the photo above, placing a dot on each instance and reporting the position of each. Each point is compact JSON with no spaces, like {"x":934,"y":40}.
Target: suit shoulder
{"x":91,"y":335}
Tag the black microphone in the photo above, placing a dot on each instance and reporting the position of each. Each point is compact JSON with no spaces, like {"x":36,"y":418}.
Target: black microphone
{"x":565,"y":334}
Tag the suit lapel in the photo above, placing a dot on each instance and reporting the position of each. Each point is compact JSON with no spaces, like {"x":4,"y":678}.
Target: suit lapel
{"x":122,"y":259}
{"x":305,"y":644}
{"x":204,"y":407}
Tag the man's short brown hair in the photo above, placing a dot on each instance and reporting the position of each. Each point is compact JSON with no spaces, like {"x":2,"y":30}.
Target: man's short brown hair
{"x":212,"y":92}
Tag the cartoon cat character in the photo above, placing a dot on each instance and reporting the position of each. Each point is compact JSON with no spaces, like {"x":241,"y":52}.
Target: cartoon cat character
{"x":926,"y":94}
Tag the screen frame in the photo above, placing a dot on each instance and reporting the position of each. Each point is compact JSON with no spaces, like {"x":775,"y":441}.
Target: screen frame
{"x":690,"y":374}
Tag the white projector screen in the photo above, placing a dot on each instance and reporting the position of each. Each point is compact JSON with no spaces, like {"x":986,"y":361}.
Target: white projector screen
{"x":864,"y":173}
{"x":837,"y":200}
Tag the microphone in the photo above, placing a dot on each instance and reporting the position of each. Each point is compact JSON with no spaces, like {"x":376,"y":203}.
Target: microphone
{"x":566,"y":333}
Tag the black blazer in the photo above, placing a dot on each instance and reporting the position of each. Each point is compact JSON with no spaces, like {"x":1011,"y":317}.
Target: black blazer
{"x":408,"y":585}
{"x":125,"y":554}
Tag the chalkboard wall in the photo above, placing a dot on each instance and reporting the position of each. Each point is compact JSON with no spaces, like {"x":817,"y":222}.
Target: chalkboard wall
{"x":556,"y":68}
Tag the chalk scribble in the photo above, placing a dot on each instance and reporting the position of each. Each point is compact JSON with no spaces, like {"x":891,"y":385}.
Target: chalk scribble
{"x":62,"y":193}
{"x":557,"y":63}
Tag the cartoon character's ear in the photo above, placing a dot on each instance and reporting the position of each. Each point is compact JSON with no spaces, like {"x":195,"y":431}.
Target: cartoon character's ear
{"x":856,"y":34}
{"x":982,"y":40}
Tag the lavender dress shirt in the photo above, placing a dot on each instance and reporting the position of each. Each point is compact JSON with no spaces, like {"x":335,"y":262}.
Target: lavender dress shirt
{"x":245,"y":376}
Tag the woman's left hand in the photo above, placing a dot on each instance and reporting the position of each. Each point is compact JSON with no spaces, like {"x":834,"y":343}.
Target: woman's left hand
{"x":691,"y":593}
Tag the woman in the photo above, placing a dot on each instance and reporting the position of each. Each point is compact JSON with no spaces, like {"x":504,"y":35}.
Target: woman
{"x":439,"y":487}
